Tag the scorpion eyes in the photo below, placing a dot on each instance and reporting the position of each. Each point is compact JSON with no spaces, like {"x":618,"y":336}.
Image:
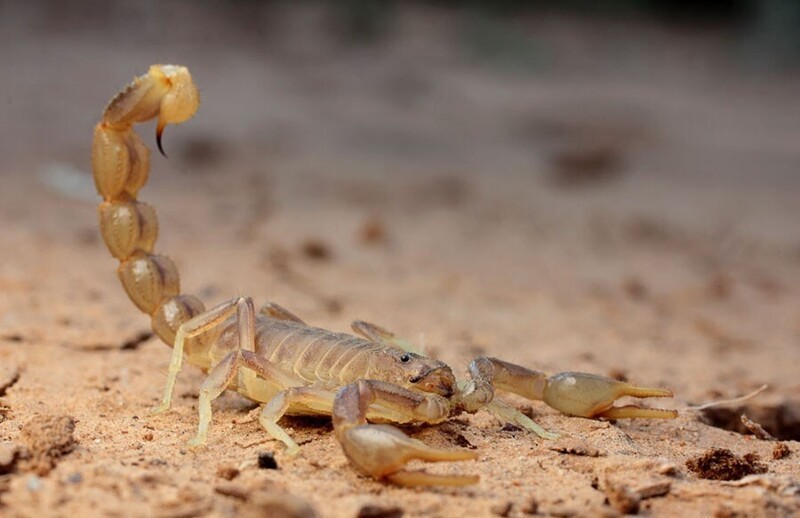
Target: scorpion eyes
{"x":405,"y":358}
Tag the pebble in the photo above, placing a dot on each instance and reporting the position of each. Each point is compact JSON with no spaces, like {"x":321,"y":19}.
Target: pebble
{"x":34,"y":483}
{"x":8,"y":457}
{"x":266,"y":460}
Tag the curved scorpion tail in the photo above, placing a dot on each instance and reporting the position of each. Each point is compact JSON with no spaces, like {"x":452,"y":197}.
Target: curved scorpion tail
{"x":120,"y":163}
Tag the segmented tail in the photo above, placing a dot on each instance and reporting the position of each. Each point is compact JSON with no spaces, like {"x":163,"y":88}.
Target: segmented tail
{"x":121,"y":162}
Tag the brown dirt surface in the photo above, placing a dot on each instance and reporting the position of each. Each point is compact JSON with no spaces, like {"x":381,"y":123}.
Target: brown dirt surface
{"x":722,"y":464}
{"x":469,"y":207}
{"x":780,"y":451}
{"x":46,"y":438}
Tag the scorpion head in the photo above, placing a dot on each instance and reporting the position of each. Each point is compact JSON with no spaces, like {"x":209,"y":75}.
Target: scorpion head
{"x":417,"y":372}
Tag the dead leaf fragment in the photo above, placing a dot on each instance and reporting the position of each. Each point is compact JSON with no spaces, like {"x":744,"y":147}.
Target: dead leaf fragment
{"x":756,"y":429}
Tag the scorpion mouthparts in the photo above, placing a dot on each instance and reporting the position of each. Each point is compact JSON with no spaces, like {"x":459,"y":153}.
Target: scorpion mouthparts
{"x":439,"y":381}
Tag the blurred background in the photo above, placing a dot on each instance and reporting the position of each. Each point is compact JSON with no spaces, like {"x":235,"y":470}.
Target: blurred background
{"x":593,"y":185}
{"x":695,"y":88}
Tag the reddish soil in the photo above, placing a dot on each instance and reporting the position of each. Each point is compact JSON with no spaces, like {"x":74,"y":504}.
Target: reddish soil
{"x":638,"y":222}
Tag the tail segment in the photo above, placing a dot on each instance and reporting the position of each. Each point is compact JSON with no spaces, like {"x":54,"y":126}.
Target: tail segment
{"x":121,"y":163}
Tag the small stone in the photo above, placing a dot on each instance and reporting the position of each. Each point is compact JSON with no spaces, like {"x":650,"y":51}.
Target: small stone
{"x":266,"y":460}
{"x":668,"y":469}
{"x":562,"y":511}
{"x":503,"y":509}
{"x":233,"y":490}
{"x":147,"y":436}
{"x":376,"y":511}
{"x":8,"y":457}
{"x":723,"y":464}
{"x":654,"y":489}
{"x":47,"y":437}
{"x":779,"y":451}
{"x":276,"y":504}
{"x":34,"y":483}
{"x":373,"y":232}
{"x":227,"y":472}
{"x":725,"y":511}
{"x":75,"y":478}
{"x":636,"y":290}
{"x":622,"y":498}
{"x":531,"y":507}
{"x":317,"y":250}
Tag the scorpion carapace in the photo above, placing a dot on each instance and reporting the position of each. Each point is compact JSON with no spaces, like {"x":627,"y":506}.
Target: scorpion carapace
{"x":273,"y":357}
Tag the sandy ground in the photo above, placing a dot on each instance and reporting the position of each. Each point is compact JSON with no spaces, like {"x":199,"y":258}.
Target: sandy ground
{"x":633,"y":221}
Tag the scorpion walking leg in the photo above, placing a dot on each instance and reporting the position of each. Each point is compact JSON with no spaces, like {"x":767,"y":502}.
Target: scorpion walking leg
{"x":273,"y":310}
{"x":198,"y":325}
{"x":382,"y":335}
{"x":382,"y":450}
{"x":246,"y":364}
{"x":242,"y":361}
{"x":478,"y":393}
{"x":308,"y":398}
{"x":509,"y":413}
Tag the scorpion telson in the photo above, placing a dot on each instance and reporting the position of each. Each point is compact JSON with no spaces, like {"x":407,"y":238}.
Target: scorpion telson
{"x":271,"y":356}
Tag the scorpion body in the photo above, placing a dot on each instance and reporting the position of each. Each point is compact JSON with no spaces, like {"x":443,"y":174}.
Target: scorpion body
{"x":272,"y":357}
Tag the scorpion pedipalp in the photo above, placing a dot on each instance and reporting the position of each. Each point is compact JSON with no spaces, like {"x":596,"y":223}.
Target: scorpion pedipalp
{"x":589,"y":395}
{"x":382,"y":451}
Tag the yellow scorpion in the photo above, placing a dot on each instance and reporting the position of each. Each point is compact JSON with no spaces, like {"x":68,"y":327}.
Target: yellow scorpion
{"x":272,"y":357}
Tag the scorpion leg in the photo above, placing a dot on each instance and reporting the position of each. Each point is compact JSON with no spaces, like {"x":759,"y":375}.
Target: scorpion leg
{"x":246,"y":364}
{"x":243,"y":362}
{"x":382,"y":451}
{"x":376,"y":333}
{"x":316,"y":400}
{"x":509,"y":413}
{"x":478,"y":392}
{"x":572,"y":393}
{"x":273,"y":310}
{"x":196,"y":326}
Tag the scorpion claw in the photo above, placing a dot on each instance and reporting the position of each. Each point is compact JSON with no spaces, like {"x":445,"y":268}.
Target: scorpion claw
{"x":382,"y":451}
{"x":592,"y":396}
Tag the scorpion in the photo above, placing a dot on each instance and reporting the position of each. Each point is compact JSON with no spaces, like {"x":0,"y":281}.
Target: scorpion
{"x":273,"y":358}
